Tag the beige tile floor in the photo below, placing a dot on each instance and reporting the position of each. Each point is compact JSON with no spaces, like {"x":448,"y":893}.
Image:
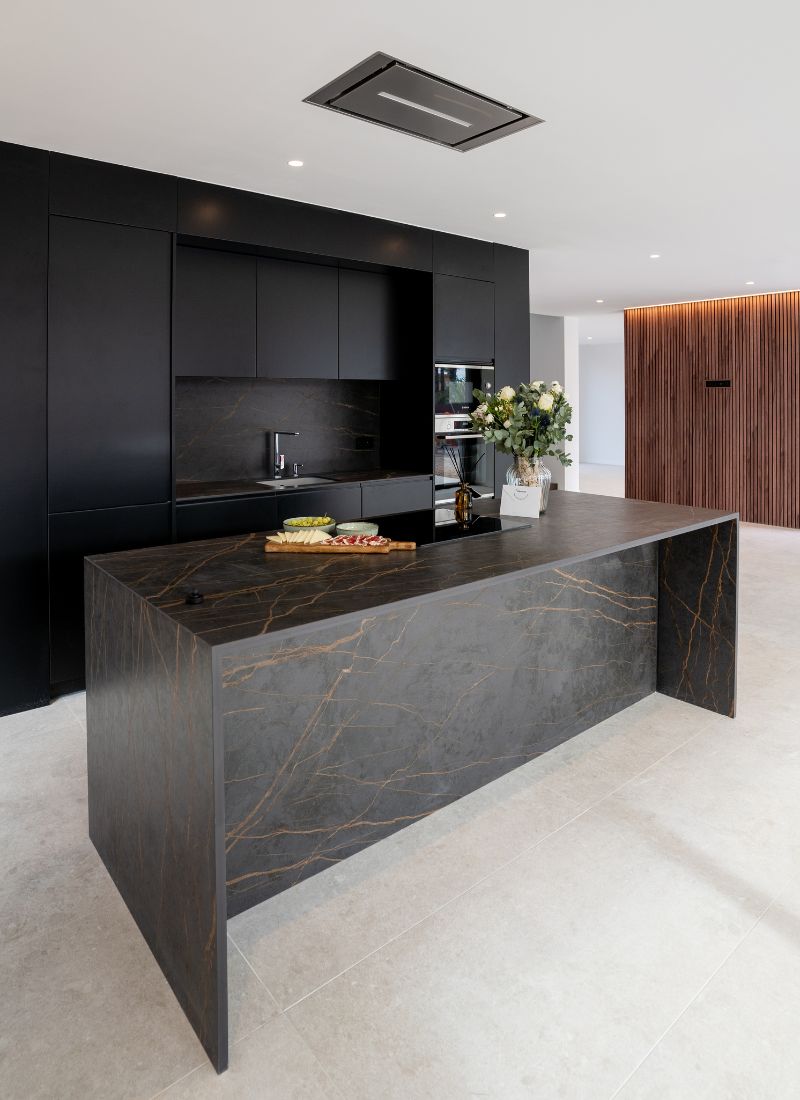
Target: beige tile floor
{"x":620,"y":918}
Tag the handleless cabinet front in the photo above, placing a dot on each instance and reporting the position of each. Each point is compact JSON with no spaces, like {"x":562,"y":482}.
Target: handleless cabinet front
{"x":370,"y":325}
{"x":463,"y":312}
{"x":298,"y":320}
{"x":341,"y":503}
{"x":108,"y":365}
{"x":215,"y":314}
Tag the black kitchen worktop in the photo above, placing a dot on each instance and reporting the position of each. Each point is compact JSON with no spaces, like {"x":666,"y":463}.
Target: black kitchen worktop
{"x":210,"y":490}
{"x":247,"y":594}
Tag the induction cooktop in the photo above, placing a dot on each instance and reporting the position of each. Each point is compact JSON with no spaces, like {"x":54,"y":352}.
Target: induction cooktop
{"x":446,"y":528}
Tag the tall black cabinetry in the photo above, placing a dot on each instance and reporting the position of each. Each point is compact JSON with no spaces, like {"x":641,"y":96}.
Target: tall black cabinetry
{"x":512,"y":353}
{"x":23,"y":413}
{"x":109,"y":397}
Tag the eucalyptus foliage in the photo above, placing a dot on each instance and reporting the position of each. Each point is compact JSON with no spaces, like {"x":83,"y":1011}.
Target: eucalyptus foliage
{"x":530,"y":421}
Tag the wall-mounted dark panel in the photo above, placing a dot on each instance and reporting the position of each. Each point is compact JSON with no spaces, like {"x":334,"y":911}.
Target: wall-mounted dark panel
{"x":225,"y":214}
{"x":298,"y":320}
{"x":463,"y":314}
{"x":73,"y":536}
{"x":370,"y":326}
{"x":92,"y":189}
{"x":512,"y":339}
{"x":109,"y":365}
{"x":215,"y":314}
{"x":342,"y":503}
{"x":463,"y":256}
{"x":215,"y":519}
{"x":23,"y":441}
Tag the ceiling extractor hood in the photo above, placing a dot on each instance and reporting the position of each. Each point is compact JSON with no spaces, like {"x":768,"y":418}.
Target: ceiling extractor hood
{"x":391,"y":93}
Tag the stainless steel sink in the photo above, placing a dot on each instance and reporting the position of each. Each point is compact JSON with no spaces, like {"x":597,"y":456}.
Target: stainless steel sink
{"x":295,"y":482}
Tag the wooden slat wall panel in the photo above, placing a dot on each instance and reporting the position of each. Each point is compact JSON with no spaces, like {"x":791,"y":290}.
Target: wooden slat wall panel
{"x":736,"y":448}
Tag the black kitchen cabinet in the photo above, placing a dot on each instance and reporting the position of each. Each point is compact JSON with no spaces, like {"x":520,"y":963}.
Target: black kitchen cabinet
{"x":74,"y":536}
{"x":225,"y":214}
{"x":342,"y":503}
{"x":109,"y":365}
{"x":512,"y":330}
{"x":217,"y":518}
{"x":298,"y":320}
{"x":23,"y":431}
{"x":97,"y":191}
{"x":386,"y":498}
{"x":370,"y":325}
{"x":463,"y":256}
{"x":463,"y":319}
{"x":215,"y":314}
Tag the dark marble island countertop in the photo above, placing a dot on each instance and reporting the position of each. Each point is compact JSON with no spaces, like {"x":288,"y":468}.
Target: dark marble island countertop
{"x":212,"y":490}
{"x":247,"y":594}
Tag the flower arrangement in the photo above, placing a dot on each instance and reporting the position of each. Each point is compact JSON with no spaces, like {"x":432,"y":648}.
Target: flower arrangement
{"x":528,"y":423}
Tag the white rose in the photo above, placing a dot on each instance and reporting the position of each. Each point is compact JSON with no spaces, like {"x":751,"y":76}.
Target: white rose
{"x":508,"y":393}
{"x":489,"y":418}
{"x":481,"y":411}
{"x":506,"y":423}
{"x":546,"y":402}
{"x":555,"y":387}
{"x":538,"y":385}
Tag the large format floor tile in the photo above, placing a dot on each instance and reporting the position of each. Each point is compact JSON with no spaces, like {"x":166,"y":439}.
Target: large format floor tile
{"x":619,"y":918}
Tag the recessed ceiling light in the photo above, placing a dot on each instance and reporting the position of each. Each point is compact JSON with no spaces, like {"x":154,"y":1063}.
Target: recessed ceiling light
{"x":499,"y":214}
{"x":750,"y":282}
{"x":655,"y":255}
{"x":295,"y":163}
{"x":599,"y":301}
{"x":588,"y":337}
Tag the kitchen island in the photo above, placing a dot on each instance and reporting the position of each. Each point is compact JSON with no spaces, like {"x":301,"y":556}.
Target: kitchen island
{"x":299,"y":708}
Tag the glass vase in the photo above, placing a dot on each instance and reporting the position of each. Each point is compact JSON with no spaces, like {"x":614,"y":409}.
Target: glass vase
{"x":526,"y":471}
{"x":463,"y":505}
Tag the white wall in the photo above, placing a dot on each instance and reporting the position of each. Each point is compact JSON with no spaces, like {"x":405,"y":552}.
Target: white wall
{"x":554,"y":358}
{"x":602,"y":404}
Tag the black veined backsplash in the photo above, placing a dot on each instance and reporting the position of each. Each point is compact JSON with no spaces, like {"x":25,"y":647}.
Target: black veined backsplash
{"x":220,"y":426}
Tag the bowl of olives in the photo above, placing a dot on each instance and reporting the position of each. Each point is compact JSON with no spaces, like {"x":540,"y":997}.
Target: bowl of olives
{"x":307,"y":523}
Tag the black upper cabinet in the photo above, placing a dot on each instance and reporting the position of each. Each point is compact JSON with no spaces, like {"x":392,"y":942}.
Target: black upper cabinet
{"x":370,"y":325}
{"x":463,"y":256}
{"x":109,"y":365}
{"x":215,"y":314}
{"x":72,"y":537}
{"x":463,"y":311}
{"x":225,"y":214}
{"x":297,"y":320}
{"x":23,"y":420}
{"x":103,"y":192}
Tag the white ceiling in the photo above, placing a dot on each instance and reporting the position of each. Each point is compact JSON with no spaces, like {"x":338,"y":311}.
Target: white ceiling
{"x":669,"y":128}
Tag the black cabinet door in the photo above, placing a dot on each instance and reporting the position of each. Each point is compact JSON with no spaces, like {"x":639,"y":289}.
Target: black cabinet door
{"x":463,"y":315}
{"x":390,"y":497}
{"x":217,"y":518}
{"x":109,"y":365}
{"x":23,"y":431}
{"x":298,"y":320}
{"x":72,"y":537}
{"x":370,"y":331}
{"x":215,"y":314}
{"x":463,"y":256}
{"x":81,"y":188}
{"x":342,"y":503}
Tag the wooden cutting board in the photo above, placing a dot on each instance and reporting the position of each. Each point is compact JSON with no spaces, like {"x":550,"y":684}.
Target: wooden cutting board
{"x":325,"y":548}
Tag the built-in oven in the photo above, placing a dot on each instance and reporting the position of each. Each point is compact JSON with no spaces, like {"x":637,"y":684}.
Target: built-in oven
{"x":459,"y":448}
{"x":454,"y":384}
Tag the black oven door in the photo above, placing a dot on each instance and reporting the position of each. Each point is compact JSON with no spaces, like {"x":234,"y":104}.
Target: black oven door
{"x":454,"y":383}
{"x":468,"y":452}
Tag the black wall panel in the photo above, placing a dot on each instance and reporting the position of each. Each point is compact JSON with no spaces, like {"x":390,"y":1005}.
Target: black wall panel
{"x":23,"y":410}
{"x":92,"y":189}
{"x":225,"y":214}
{"x":109,"y":365}
{"x":512,"y":329}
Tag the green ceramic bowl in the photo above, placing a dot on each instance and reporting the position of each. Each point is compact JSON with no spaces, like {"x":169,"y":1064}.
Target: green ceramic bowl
{"x":357,"y":527}
{"x":292,"y":524}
